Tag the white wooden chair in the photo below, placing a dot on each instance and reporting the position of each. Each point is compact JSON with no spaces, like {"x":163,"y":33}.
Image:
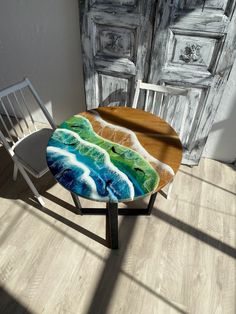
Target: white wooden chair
{"x":156,"y":102}
{"x":24,"y":142}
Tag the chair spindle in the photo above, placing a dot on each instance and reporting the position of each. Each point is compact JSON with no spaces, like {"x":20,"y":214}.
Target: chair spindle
{"x":6,"y":129}
{"x":9,"y":119}
{"x":153,"y":102}
{"x":14,"y":112}
{"x":27,"y":108}
{"x":21,"y":112}
{"x":146,"y":100}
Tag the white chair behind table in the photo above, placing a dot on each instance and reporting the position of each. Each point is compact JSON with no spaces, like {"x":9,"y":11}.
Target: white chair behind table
{"x":160,"y":95}
{"x":24,"y":142}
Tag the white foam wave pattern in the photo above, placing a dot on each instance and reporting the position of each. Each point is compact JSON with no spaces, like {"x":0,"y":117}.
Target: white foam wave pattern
{"x":107,"y":160}
{"x":135,"y":143}
{"x":86,"y":172}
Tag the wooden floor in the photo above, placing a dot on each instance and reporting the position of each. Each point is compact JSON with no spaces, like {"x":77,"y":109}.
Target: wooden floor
{"x":181,"y":259}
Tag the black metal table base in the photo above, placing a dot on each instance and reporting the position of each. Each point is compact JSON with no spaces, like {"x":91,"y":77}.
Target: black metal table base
{"x":112,"y":225}
{"x":111,"y":211}
{"x":77,"y":203}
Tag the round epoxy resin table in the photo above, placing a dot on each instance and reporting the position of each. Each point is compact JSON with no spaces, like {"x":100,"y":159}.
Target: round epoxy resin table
{"x":112,"y":155}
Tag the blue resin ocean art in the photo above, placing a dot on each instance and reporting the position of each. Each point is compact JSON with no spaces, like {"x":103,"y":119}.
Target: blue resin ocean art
{"x":96,"y":168}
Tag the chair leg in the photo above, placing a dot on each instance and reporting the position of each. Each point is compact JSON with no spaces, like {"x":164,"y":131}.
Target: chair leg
{"x":151,"y":203}
{"x":170,"y":186}
{"x":168,"y":192}
{"x":40,"y":200}
{"x":15,"y":172}
{"x":31,"y":185}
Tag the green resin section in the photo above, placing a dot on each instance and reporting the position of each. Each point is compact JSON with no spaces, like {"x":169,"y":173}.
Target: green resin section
{"x":124,"y":158}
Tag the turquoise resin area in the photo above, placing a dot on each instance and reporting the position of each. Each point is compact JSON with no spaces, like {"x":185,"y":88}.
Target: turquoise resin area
{"x":96,"y":168}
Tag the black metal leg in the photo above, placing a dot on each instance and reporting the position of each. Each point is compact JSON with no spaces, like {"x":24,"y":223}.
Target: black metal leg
{"x":112,"y":224}
{"x":111,"y":212}
{"x":151,"y":203}
{"x":77,"y":203}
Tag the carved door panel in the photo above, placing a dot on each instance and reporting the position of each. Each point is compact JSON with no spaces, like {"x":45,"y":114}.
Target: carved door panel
{"x":194,"y":44}
{"x":189,"y":43}
{"x":116,"y":38}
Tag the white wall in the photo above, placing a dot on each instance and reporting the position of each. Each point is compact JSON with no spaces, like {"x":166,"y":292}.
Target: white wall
{"x":40,"y":39}
{"x":221,"y":143}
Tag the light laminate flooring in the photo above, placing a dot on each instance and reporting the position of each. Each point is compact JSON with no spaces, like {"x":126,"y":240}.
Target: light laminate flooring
{"x":181,"y":259}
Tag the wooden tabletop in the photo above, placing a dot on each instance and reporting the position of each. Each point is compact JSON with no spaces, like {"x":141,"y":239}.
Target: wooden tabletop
{"x":114,"y":154}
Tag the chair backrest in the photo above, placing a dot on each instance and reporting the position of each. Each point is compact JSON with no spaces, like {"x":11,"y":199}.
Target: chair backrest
{"x":15,"y":111}
{"x":157,"y":96}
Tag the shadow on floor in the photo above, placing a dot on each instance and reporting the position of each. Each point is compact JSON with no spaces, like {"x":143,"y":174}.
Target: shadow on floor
{"x":192,"y":231}
{"x":105,"y":288}
{"x":112,"y":265}
{"x":232,"y":166}
{"x":10,"y":189}
{"x":208,"y":182}
{"x":111,"y":271}
{"x":196,"y":233}
{"x":68,"y":222}
{"x":10,"y":305}
{"x":106,"y":284}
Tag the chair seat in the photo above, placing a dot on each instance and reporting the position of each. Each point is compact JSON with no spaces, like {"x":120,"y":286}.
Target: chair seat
{"x":31,"y":152}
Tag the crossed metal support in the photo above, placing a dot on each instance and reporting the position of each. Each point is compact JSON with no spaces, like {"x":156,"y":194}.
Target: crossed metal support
{"x":112,"y":211}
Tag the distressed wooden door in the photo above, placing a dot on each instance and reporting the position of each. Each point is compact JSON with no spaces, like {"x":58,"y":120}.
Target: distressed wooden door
{"x":194,"y":46}
{"x":188,"y":43}
{"x":116,"y":39}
